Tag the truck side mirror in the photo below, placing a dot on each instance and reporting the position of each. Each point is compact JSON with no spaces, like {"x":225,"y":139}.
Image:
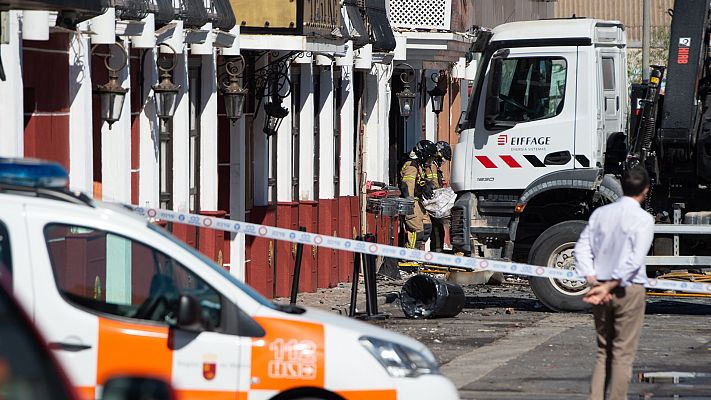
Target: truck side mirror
{"x":491,"y":108}
{"x":189,"y":316}
{"x":462,"y":121}
{"x":136,"y":387}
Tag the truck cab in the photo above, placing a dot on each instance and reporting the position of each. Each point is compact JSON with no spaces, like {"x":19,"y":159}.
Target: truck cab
{"x":542,"y":105}
{"x":543,"y":136}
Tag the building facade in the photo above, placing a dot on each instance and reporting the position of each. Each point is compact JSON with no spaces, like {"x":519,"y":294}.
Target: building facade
{"x":320,"y":118}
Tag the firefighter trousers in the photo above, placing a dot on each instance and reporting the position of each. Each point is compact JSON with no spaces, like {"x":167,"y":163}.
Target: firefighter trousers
{"x":418,"y":227}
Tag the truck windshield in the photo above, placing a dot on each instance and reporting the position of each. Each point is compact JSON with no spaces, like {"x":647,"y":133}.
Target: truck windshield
{"x":243,"y":286}
{"x":526,"y":89}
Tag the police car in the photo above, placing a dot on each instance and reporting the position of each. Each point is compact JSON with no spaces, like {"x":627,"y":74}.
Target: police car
{"x":114,"y":294}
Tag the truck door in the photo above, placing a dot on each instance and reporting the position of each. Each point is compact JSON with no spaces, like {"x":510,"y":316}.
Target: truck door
{"x":108,"y":308}
{"x":612,"y":84}
{"x":528,"y":105}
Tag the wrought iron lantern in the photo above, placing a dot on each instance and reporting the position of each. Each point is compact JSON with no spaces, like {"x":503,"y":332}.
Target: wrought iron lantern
{"x":166,"y":93}
{"x":275,"y":114}
{"x":233,"y":93}
{"x":406,"y":98}
{"x":272,"y":85}
{"x":112,"y":94}
{"x":437,"y":93}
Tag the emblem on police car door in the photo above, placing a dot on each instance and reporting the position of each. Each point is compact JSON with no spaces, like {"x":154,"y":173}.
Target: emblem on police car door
{"x":209,"y":366}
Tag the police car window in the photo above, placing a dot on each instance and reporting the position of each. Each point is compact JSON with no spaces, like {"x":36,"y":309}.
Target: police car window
{"x":113,"y":274}
{"x":529,"y":89}
{"x":5,"y":256}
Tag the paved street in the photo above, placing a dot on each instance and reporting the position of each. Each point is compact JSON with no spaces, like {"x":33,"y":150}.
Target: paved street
{"x":505,"y":345}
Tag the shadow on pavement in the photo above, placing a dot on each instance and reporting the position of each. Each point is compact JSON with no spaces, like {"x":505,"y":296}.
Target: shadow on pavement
{"x":678,"y":307}
{"x":654,"y":305}
{"x":518,"y":304}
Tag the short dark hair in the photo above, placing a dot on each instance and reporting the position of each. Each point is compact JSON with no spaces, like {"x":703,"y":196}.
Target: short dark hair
{"x":634,"y":181}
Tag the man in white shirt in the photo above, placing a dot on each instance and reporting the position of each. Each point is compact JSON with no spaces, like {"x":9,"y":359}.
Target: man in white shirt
{"x":610,"y":254}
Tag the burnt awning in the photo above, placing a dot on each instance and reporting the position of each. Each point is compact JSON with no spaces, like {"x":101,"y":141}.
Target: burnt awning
{"x":162,"y":10}
{"x":354,"y":26}
{"x":381,"y":33}
{"x":193,"y":13}
{"x":71,"y":12}
{"x":134,"y":10}
{"x":221,"y":15}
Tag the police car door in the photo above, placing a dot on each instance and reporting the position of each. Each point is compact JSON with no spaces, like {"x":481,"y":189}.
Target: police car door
{"x":106,"y":308}
{"x":528,"y":107}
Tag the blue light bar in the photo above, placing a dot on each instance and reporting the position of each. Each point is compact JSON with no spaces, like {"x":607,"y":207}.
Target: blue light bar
{"x":31,"y":172}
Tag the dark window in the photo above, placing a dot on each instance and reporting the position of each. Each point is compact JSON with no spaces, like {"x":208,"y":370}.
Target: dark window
{"x":526,"y":89}
{"x":166,"y":164}
{"x":5,"y":256}
{"x":338,"y":108}
{"x":608,"y":73}
{"x":295,"y":124}
{"x":317,"y":130}
{"x":113,"y":274}
{"x":28,"y":372}
{"x":194,"y":135}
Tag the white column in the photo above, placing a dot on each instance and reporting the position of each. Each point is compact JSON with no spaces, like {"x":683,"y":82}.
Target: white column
{"x":283,"y":153}
{"x":347,"y":177}
{"x":326,"y":155}
{"x":116,"y":147}
{"x":149,"y":142}
{"x":371,"y":145}
{"x":208,"y":135}
{"x":81,"y":168}
{"x":306,"y":134}
{"x":384,"y":75}
{"x":430,"y":117}
{"x":11,"y":111}
{"x":181,"y":126}
{"x":376,"y":154}
{"x":237,"y":200}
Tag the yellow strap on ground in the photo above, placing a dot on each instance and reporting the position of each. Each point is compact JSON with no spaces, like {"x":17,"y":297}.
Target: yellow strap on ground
{"x":664,"y":294}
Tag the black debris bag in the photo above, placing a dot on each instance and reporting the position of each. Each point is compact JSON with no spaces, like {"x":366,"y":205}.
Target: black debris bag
{"x":423,"y":296}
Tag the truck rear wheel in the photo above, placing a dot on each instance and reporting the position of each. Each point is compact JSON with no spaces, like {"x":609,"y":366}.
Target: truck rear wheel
{"x":554,"y":248}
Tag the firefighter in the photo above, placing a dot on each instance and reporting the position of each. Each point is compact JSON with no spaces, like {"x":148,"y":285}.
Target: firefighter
{"x":441,"y":226}
{"x":433,"y":172}
{"x":414,"y":185}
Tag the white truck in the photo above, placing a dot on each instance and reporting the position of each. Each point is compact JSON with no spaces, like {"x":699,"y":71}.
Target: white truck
{"x":546,"y":137}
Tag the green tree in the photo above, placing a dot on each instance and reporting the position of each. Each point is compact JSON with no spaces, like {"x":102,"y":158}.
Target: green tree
{"x":658,"y":53}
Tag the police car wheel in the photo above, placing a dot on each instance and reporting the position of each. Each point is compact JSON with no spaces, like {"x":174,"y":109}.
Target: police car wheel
{"x":554,"y":248}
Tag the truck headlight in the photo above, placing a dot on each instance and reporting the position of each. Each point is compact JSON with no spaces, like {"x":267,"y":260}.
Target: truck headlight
{"x":400,"y":361}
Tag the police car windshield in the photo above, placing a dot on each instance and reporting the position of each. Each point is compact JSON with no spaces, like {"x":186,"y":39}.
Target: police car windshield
{"x":244,"y":287}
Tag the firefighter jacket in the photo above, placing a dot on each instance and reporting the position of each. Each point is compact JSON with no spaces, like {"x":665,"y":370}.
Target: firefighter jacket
{"x":414,"y":183}
{"x":433,"y":174}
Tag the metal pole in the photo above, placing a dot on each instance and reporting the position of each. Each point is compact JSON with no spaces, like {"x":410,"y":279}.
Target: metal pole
{"x":646,"y":37}
{"x":371,"y":294}
{"x":357,"y":257}
{"x":297,"y":269}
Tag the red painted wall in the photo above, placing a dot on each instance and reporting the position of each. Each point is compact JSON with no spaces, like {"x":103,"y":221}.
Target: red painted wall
{"x":46,"y":98}
{"x":136,"y":108}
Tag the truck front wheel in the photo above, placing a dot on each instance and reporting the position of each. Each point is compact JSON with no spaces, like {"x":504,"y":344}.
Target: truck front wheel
{"x":554,"y":248}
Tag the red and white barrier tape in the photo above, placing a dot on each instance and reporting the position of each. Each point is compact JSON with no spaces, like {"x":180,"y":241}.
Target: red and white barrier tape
{"x":332,"y":242}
